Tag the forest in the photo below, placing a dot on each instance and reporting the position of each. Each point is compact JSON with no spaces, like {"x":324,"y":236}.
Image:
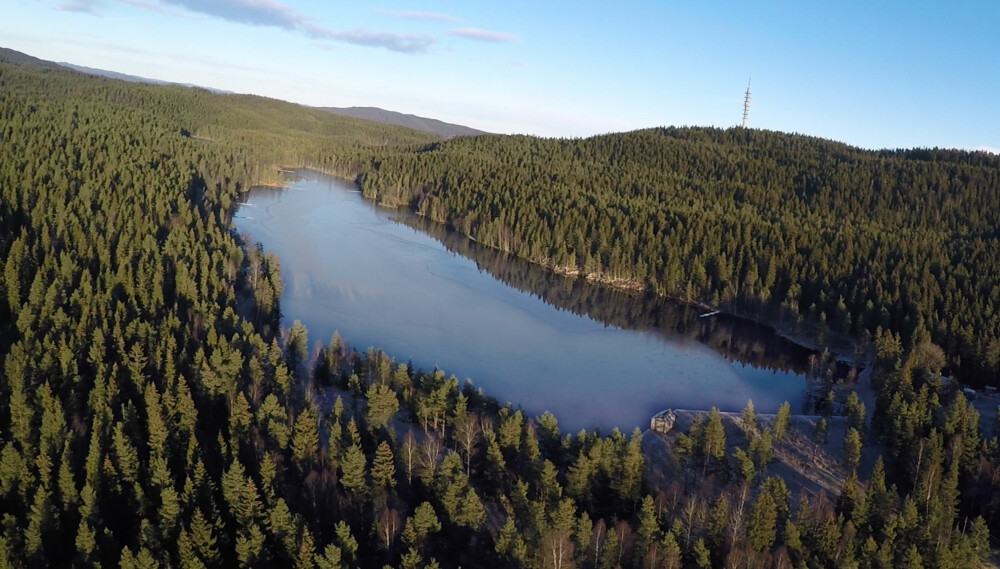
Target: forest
{"x":738,"y":339}
{"x":154,"y":414}
{"x":759,"y":223}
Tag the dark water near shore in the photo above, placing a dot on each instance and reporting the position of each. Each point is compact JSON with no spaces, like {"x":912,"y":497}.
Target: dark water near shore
{"x":592,"y":356}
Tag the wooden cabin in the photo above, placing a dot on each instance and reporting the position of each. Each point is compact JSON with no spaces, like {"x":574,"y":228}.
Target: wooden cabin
{"x":663,"y":421}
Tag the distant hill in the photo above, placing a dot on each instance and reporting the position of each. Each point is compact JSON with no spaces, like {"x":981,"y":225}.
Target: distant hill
{"x":434,"y":126}
{"x":18,"y":58}
{"x":113,"y":74}
{"x":858,"y":240}
{"x":131,"y":78}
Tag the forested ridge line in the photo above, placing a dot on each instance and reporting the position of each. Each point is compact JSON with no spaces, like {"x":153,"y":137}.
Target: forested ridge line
{"x":736,"y":338}
{"x":756,"y":221}
{"x":151,"y":415}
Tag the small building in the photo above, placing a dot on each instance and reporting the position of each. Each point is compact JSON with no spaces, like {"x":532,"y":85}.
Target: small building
{"x":969,"y":393}
{"x":663,"y":421}
{"x":991,"y":389}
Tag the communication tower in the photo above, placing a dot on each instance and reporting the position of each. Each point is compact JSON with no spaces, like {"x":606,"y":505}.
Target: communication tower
{"x":746,"y":105}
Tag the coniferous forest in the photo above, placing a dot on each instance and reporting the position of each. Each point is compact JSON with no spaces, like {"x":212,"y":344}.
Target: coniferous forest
{"x":904,"y":241}
{"x":154,"y":414}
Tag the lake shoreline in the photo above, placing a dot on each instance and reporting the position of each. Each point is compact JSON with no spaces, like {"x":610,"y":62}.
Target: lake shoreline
{"x":402,"y":289}
{"x":842,"y":349}
{"x":842,"y":354}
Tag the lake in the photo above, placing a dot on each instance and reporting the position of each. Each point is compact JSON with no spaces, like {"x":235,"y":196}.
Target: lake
{"x":594,"y":357}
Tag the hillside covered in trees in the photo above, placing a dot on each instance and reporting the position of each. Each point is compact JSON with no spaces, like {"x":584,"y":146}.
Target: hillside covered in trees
{"x":152,"y":414}
{"x":761,"y":223}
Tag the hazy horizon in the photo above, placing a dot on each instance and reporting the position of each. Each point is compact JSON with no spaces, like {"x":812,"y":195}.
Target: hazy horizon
{"x":888,"y":76}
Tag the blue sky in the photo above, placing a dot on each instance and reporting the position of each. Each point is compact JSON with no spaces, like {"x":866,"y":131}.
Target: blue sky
{"x":873,"y":74}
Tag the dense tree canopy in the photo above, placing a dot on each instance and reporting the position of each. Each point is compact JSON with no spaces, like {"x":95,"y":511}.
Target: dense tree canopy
{"x":751,"y":220}
{"x":153,"y":414}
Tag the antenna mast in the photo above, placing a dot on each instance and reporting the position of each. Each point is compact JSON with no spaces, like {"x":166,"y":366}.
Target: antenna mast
{"x":746,"y":105}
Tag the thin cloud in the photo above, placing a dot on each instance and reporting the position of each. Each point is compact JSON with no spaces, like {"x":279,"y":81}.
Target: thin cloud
{"x":268,"y":13}
{"x":253,"y":12}
{"x":158,"y":8}
{"x":418,"y":16}
{"x":482,"y":35}
{"x":83,"y":6}
{"x":403,"y":43}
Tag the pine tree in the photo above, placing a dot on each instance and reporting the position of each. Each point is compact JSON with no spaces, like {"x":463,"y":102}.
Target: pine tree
{"x":781,"y":419}
{"x":203,"y":538}
{"x":648,"y":532}
{"x":762,"y":525}
{"x":701,"y":557}
{"x":628,"y":480}
{"x":346,"y":543}
{"x":39,"y":520}
{"x":142,"y":560}
{"x":425,"y":522}
{"x":382,"y":405}
{"x":855,"y":411}
{"x":748,"y":419}
{"x":306,"y":552}
{"x":472,"y":514}
{"x":169,"y":513}
{"x":352,"y":471}
{"x":713,"y":444}
{"x":852,"y":449}
{"x":718,"y":526}
{"x":383,"y":467}
{"x":745,"y":469}
{"x":411,"y":560}
{"x":240,"y":417}
{"x":563,"y":516}
{"x":761,"y":450}
{"x":68,"y":495}
{"x":280,"y":523}
{"x":297,"y":345}
{"x":510,"y":544}
{"x":670,"y":552}
{"x":330,"y":558}
{"x":86,"y":542}
{"x":305,"y":438}
{"x":186,"y":556}
{"x":250,"y":546}
{"x":912,"y":559}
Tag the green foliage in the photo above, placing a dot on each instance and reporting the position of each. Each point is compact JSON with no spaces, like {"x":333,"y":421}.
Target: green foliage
{"x":781,"y":419}
{"x":382,"y":405}
{"x":761,"y":527}
{"x":855,"y":411}
{"x":149,"y":415}
{"x":713,"y":438}
{"x":425,"y":521}
{"x":297,"y":345}
{"x":383,"y":467}
{"x":745,"y":468}
{"x":701,"y":557}
{"x":305,"y":437}
{"x":353,"y":470}
{"x":852,"y":448}
{"x":858,"y":239}
{"x":748,"y":419}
